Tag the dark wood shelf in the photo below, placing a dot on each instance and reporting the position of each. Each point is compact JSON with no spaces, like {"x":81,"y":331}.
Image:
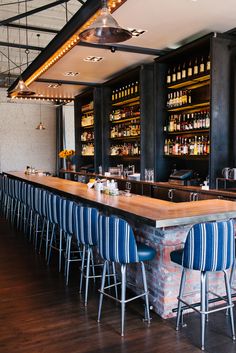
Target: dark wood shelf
{"x":194,"y":81}
{"x":87,"y":155}
{"x":125,"y":120}
{"x":189,"y":107}
{"x":125,"y":157}
{"x":89,"y":141}
{"x":125,"y":138}
{"x":126,"y":102}
{"x":188,"y":157}
{"x":87,"y":126}
{"x":188,"y":132}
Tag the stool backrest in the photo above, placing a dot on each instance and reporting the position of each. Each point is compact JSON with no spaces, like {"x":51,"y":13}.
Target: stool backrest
{"x":66,"y":215}
{"x":54,"y":208}
{"x":116,"y":241}
{"x":210,"y":246}
{"x":85,"y":221}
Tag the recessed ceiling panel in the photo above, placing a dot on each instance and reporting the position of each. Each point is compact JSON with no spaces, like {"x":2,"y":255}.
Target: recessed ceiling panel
{"x":97,"y":72}
{"x":63,"y":91}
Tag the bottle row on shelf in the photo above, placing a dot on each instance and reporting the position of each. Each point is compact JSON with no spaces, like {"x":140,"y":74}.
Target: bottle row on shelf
{"x":88,"y":149}
{"x":179,"y":98}
{"x":87,"y":136}
{"x":195,"y":146}
{"x":125,"y":92}
{"x":187,"y":122}
{"x":125,"y":113}
{"x":87,"y":120}
{"x":189,"y":69}
{"x":123,"y":130}
{"x":126,"y":149}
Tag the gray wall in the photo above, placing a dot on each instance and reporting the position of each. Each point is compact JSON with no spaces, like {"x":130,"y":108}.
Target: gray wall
{"x":20,"y":143}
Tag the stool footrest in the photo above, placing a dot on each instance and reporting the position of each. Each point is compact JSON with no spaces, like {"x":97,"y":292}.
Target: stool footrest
{"x":120,"y":301}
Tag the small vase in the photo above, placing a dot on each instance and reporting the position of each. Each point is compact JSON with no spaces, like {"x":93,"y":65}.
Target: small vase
{"x":68,"y":164}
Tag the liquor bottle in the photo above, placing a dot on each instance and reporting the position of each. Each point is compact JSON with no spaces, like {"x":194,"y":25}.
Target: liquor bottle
{"x":185,"y":147}
{"x":128,"y":90}
{"x":195,"y":148}
{"x":166,"y":152}
{"x":116,"y":95}
{"x":136,"y":87}
{"x":183,"y":74}
{"x":168,"y":78}
{"x":125,"y":95}
{"x":195,"y":67}
{"x":113,"y":96}
{"x":190,"y":69}
{"x":174,"y":75}
{"x":202,"y":66}
{"x":189,"y":96}
{"x":207,"y":120}
{"x":132,"y":89}
{"x":178,"y":75}
{"x":208,"y":64}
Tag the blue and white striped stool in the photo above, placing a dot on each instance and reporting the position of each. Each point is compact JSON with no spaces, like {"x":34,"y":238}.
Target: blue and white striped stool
{"x":116,"y":243}
{"x":209,"y":247}
{"x":85,"y":220}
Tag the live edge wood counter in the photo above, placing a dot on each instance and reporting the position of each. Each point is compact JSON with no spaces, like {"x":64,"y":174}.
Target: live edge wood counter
{"x":153,"y":212}
{"x":160,"y":224}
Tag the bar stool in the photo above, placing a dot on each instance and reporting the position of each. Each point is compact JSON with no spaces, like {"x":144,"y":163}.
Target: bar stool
{"x":85,"y":221}
{"x":54,"y":214}
{"x":116,"y":243}
{"x":66,"y":220}
{"x":209,"y":247}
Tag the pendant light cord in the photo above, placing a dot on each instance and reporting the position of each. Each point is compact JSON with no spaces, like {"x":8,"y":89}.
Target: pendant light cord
{"x":26,"y":36}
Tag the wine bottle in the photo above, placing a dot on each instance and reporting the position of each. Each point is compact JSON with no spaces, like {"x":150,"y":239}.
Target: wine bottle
{"x":168,"y":78}
{"x":183,"y":74}
{"x":195,"y":68}
{"x":178,"y":73}
{"x":208,"y":64}
{"x":190,"y":69}
{"x":202,"y":66}
{"x":174,"y":75}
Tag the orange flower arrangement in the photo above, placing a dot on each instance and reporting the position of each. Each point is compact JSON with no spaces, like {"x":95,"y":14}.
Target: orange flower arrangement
{"x":67,"y":154}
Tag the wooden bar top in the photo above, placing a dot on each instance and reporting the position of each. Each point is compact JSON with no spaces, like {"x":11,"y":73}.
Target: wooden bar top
{"x":153,"y":212}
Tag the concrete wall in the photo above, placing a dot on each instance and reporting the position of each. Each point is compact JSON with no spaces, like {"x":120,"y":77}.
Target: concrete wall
{"x":20,"y":143}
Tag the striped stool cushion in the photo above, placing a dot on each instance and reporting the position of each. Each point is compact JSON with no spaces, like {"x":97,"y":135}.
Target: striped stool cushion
{"x":116,"y":240}
{"x":208,"y":247}
{"x":85,"y":224}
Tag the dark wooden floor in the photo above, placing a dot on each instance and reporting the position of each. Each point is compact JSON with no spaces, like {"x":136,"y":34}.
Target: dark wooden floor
{"x":39,"y":314}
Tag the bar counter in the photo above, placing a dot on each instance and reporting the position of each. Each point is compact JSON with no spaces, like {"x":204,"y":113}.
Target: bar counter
{"x":154,"y":212}
{"x":160,"y":224}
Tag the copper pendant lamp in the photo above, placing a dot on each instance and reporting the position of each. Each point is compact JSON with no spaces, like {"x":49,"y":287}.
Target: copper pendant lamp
{"x":105,"y":29}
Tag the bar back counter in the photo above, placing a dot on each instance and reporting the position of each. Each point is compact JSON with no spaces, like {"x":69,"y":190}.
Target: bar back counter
{"x":158,"y":223}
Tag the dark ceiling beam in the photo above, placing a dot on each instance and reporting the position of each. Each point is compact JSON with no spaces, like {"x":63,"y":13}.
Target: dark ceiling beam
{"x":21,"y":46}
{"x":32,"y":12}
{"x":126,"y":48}
{"x":77,"y":21}
{"x":32,"y":28}
{"x":65,"y":82}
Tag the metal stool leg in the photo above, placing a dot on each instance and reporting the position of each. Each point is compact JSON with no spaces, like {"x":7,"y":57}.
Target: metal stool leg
{"x":123,"y":294}
{"x":227,"y":286}
{"x":115,"y":280}
{"x":207,"y":295}
{"x":82,"y":269}
{"x":60,"y":249}
{"x":102,"y":289}
{"x":147,"y":311}
{"x":181,"y":292}
{"x":203,"y":309}
{"x":67,"y":267}
{"x":87,"y":275}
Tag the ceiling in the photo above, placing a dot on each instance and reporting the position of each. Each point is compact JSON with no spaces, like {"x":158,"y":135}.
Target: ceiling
{"x":167,"y":24}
